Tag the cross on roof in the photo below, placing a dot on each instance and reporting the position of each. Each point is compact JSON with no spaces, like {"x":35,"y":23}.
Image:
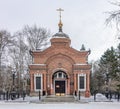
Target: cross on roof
{"x":60,"y":10}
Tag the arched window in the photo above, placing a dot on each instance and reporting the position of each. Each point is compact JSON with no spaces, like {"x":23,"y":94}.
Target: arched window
{"x":59,"y":74}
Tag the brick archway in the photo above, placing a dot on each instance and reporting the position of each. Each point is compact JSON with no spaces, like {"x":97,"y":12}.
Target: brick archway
{"x":60,"y":56}
{"x":60,"y":69}
{"x":60,"y":81}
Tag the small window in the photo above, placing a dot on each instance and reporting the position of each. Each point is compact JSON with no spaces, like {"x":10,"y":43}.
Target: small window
{"x":55,"y":76}
{"x":64,"y":76}
{"x":38,"y":83}
{"x":81,"y":82}
{"x":60,"y":75}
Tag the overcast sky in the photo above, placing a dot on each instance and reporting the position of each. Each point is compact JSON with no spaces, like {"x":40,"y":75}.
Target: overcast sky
{"x":83,"y":20}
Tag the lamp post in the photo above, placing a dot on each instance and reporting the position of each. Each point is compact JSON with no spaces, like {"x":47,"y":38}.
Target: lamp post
{"x":13,"y":76}
{"x":13,"y":89}
{"x":107,"y":83}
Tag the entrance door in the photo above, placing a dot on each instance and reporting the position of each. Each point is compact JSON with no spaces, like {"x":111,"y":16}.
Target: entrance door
{"x":60,"y":88}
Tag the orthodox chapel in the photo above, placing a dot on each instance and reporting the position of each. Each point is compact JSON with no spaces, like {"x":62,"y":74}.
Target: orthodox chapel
{"x":60,"y":70}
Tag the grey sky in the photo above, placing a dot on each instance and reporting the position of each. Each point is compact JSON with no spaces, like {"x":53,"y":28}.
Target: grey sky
{"x":83,"y":20}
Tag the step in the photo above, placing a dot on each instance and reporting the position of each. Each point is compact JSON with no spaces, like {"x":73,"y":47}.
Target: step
{"x":59,"y":99}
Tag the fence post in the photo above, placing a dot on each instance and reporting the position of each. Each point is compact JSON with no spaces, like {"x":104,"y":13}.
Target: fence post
{"x":94,"y":95}
{"x":39,"y":95}
{"x":79,"y":95}
{"x":75,"y":93}
{"x":4,"y":96}
{"x":7,"y":95}
{"x":110,"y":95}
{"x":118,"y":96}
{"x":23,"y":95}
{"x":0,"y":95}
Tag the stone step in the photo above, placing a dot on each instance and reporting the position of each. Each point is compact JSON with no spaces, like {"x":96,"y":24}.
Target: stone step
{"x":59,"y":99}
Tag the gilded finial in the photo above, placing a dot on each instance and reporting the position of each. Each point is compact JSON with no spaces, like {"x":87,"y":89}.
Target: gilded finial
{"x":60,"y":22}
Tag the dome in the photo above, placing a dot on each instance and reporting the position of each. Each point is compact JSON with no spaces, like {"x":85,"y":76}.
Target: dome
{"x":60,"y":35}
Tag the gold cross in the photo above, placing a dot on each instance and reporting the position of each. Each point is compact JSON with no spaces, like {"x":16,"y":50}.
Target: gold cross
{"x":60,"y":10}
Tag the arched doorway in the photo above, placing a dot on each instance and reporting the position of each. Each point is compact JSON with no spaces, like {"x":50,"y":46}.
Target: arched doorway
{"x":60,"y":82}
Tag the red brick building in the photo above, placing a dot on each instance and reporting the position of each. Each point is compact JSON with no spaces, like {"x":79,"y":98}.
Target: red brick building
{"x":60,"y":69}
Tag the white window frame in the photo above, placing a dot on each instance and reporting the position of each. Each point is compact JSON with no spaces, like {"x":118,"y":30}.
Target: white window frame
{"x":84,"y":75}
{"x":38,"y":75}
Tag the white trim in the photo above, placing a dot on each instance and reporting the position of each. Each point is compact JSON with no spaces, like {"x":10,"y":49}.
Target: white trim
{"x":80,"y":64}
{"x":38,"y":75}
{"x":60,"y":79}
{"x":38,"y":64}
{"x":82,"y":74}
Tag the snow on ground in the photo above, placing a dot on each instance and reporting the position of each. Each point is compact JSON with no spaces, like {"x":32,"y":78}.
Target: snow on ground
{"x":91,"y":105}
{"x":84,"y":103}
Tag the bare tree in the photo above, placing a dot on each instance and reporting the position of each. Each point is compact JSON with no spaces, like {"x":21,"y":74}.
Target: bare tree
{"x":18,"y":55}
{"x":37,"y":37}
{"x":29,"y":38}
{"x":114,"y":17}
{"x":5,"y":41}
{"x":6,"y":78}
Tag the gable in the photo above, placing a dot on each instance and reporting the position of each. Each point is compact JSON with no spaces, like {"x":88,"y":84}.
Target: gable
{"x":77,"y":56}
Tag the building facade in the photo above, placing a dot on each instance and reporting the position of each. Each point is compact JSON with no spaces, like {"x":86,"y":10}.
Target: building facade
{"x":60,"y":69}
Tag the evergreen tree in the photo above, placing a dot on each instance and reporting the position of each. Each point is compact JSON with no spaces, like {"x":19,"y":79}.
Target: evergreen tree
{"x":106,"y":71}
{"x":82,"y":47}
{"x":97,"y":78}
{"x":109,"y":63}
{"x":118,"y":59}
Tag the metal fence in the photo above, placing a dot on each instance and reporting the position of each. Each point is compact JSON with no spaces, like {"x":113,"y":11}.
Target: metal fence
{"x":109,"y":95}
{"x":11,"y":95}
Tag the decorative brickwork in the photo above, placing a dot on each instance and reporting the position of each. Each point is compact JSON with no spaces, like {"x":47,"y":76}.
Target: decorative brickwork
{"x":60,"y":62}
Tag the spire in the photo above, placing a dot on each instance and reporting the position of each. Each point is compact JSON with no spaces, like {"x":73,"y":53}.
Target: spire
{"x":60,"y":22}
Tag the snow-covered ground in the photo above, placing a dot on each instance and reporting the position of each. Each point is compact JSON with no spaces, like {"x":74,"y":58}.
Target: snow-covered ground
{"x":84,"y":103}
{"x":91,"y":105}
